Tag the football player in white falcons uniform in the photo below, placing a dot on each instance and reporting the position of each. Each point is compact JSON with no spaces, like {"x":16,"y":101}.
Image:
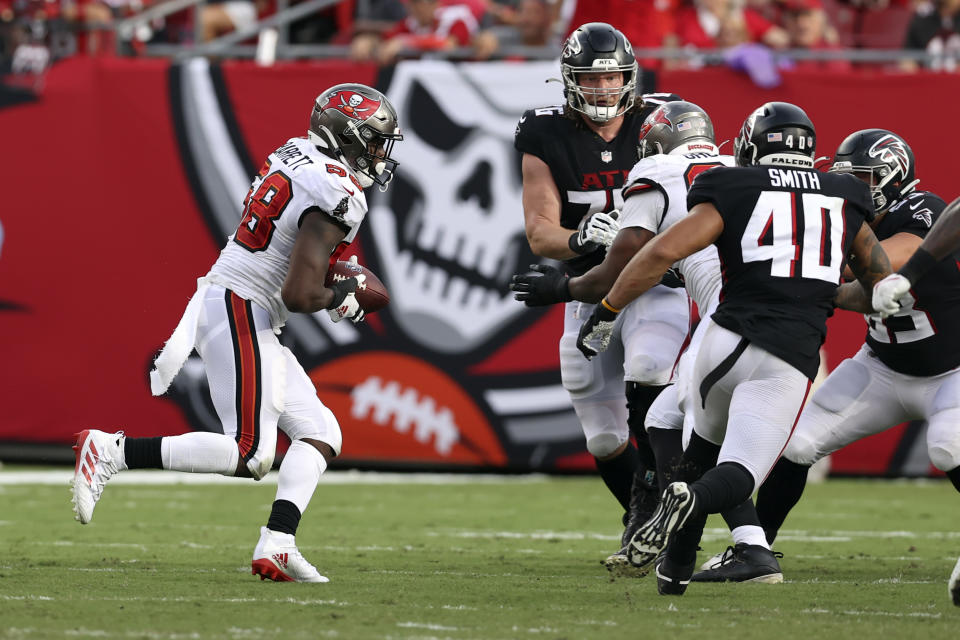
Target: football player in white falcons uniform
{"x":306,"y":202}
{"x":676,"y":144}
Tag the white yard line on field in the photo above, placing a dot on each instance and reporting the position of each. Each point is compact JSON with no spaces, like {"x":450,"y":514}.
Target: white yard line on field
{"x":143,"y":477}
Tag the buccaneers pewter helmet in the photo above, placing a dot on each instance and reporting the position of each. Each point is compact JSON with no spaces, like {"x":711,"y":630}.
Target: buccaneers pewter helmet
{"x":598,"y":47}
{"x":778,"y":133}
{"x":676,"y":125}
{"x":357,"y":125}
{"x":886,"y":157}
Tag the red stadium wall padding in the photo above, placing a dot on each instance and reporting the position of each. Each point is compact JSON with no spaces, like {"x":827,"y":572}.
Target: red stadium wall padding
{"x":121,"y":184}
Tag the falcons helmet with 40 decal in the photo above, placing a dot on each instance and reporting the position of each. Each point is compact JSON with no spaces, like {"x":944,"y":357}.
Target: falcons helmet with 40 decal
{"x":886,"y":157}
{"x":777,"y":133}
{"x":358,"y":126}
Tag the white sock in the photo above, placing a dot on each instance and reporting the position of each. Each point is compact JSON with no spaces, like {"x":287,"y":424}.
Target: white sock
{"x":200,"y":452}
{"x":299,"y":473}
{"x":750,"y":534}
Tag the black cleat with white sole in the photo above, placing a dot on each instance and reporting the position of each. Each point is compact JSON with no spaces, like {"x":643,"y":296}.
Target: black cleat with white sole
{"x":672,"y":579}
{"x":744,"y":563}
{"x":674,"y":510}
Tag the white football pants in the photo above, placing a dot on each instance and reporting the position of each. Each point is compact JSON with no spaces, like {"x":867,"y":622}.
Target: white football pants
{"x":744,"y":399}
{"x":863,"y":396}
{"x":647,"y":340}
{"x":256,"y":383}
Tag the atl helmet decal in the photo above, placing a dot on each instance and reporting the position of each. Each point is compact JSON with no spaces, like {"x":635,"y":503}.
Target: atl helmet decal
{"x":353,"y":105}
{"x":658,"y":118}
{"x":626,"y":46}
{"x":572,"y":46}
{"x":889,"y":148}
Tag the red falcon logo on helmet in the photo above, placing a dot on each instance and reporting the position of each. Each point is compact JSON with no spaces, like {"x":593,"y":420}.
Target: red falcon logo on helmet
{"x":352,"y":105}
{"x":656,"y":117}
{"x":890,"y":149}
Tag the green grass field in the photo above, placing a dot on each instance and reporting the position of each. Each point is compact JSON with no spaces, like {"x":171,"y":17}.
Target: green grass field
{"x":485,"y":557}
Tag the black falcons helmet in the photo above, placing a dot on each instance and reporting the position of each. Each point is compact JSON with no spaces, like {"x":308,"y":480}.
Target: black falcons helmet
{"x":886,"y":157}
{"x":673,"y":125}
{"x":778,"y":133}
{"x":593,"y":47}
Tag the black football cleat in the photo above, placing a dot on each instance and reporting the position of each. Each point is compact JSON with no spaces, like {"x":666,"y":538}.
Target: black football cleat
{"x":672,"y":579}
{"x":744,"y":563}
{"x":675,"y":508}
{"x":643,"y":502}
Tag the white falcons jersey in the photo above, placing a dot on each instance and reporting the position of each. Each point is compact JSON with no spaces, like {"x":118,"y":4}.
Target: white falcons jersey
{"x":295,"y":179}
{"x":655,"y":198}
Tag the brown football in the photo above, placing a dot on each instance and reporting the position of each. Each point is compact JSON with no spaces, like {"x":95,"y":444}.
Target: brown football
{"x":371,"y":294}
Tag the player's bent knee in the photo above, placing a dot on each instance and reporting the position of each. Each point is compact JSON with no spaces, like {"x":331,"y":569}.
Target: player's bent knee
{"x":943,"y":458}
{"x":261,"y":465}
{"x":604,"y":445}
{"x":576,"y":372}
{"x":801,"y":450}
{"x":943,"y":440}
{"x":647,"y":369}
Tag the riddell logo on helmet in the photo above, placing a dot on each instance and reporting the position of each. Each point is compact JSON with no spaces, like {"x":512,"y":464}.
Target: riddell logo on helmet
{"x":353,"y":105}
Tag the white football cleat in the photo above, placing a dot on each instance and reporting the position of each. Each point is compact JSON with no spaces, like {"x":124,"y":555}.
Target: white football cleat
{"x":276,"y":557}
{"x":714,"y":561}
{"x":99,"y":457}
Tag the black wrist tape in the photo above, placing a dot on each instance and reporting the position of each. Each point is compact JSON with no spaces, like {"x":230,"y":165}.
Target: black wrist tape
{"x":919,"y":263}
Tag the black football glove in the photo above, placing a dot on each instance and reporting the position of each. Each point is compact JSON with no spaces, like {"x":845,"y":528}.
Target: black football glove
{"x":596,"y":332}
{"x":548,"y":285}
{"x":673,"y":279}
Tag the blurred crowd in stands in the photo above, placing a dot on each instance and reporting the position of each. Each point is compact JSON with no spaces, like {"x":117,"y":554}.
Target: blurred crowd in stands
{"x":745,"y":34}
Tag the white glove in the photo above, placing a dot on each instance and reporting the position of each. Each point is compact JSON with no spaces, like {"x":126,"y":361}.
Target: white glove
{"x":887,"y":294}
{"x":595,"y":230}
{"x":349,"y":308}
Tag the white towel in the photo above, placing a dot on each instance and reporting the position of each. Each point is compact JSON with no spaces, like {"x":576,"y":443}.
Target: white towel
{"x":177,"y":349}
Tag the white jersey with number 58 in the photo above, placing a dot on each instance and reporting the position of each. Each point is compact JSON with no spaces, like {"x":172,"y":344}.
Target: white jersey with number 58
{"x":655,"y":198}
{"x":295,"y":179}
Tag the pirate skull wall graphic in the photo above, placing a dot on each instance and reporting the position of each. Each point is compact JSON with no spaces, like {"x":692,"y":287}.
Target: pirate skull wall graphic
{"x":449,"y":232}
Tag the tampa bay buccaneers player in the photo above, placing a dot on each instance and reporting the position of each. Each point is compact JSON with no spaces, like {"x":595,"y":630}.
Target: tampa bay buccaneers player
{"x":575,"y":158}
{"x":306,"y":203}
{"x":907,"y":369}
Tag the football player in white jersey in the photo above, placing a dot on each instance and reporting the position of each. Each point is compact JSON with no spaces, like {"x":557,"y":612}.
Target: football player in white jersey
{"x":676,"y":143}
{"x":305,"y":205}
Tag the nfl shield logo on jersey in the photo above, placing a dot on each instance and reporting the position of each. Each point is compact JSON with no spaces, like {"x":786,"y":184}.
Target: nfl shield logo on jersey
{"x":606,"y":156}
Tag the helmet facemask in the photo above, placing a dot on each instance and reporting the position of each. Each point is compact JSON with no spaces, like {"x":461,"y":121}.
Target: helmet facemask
{"x":357,"y":125}
{"x":585,"y":99}
{"x":374,"y":165}
{"x":881,"y":159}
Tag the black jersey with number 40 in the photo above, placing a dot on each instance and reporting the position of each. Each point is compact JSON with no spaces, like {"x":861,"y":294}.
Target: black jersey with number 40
{"x":786,"y":235}
{"x":923,"y":339}
{"x":589,"y":171}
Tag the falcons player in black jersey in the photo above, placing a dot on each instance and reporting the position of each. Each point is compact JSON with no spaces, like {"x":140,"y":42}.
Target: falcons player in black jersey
{"x":783,"y":232}
{"x":575,"y":158}
{"x":909,"y":366}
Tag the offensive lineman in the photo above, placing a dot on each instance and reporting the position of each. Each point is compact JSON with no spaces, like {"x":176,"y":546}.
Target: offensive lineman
{"x":676,"y":145}
{"x":574,"y":161}
{"x":783,"y":232}
{"x":305,"y":205}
